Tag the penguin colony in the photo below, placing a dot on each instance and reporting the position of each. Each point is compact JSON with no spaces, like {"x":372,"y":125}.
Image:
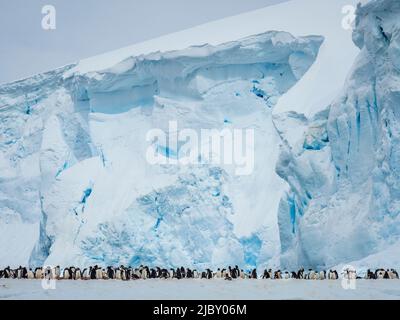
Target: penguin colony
{"x":144,"y":272}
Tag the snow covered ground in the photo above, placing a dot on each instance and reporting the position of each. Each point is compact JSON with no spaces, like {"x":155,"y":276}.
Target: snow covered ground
{"x":200,"y":289}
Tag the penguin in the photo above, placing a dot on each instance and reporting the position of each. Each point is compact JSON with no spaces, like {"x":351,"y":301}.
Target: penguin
{"x":66,"y":274}
{"x":300,"y":274}
{"x":78,"y":274}
{"x":386,"y":275}
{"x":72,"y":272}
{"x":322,"y":275}
{"x":92,"y":273}
{"x":278,"y":275}
{"x":98,"y":273}
{"x":223,"y":273}
{"x":242,"y":274}
{"x":266,"y":274}
{"x":293,"y":275}
{"x":237,"y":271}
{"x":218,"y":274}
{"x":39,"y":273}
{"x":253,"y":274}
{"x":196,"y":274}
{"x":19,"y":272}
{"x":286,"y":276}
{"x":178,"y":274}
{"x":48,"y":273}
{"x":183,"y":273}
{"x":380,"y":274}
{"x":209,"y":274}
{"x":31,"y":275}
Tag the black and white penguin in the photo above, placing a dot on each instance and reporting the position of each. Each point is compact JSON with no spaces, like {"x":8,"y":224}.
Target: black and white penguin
{"x":78,"y":274}
{"x":300,"y":274}
{"x":253,"y":274}
{"x":266,"y":274}
{"x":66,"y":274}
{"x":30,"y":274}
{"x":38,"y":273}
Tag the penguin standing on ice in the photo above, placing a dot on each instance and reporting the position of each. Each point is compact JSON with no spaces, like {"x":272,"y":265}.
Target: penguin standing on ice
{"x":98,"y":273}
{"x":266,"y":274}
{"x":78,"y":274}
{"x":66,"y":274}
{"x":30,"y":275}
{"x":19,"y":272}
{"x":110,"y":273}
{"x":39,"y":273}
{"x":253,"y":274}
{"x":300,"y":274}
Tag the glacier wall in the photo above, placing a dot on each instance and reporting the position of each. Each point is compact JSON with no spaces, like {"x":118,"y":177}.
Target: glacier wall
{"x":343,"y":202}
{"x":75,"y":186}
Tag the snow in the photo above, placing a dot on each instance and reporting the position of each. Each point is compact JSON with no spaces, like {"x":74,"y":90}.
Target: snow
{"x":200,"y":290}
{"x":346,"y":193}
{"x":76,"y":187}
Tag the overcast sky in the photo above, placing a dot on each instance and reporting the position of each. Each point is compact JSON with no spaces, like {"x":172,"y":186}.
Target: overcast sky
{"x":89,"y":27}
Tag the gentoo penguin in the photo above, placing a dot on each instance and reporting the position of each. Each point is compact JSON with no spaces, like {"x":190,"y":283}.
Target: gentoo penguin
{"x":286,"y":276}
{"x":196,"y":274}
{"x":218,"y":274}
{"x":253,"y":274}
{"x":242,"y":274}
{"x":322,"y":275}
{"x":294,"y":275}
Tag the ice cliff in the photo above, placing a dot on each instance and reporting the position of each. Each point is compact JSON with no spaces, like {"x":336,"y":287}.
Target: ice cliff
{"x":343,"y":203}
{"x":76,"y":187}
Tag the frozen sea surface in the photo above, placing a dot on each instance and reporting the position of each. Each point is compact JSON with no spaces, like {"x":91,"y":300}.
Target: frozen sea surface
{"x":200,"y":289}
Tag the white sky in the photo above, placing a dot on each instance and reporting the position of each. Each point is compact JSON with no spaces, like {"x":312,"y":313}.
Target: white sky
{"x":90,"y":27}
